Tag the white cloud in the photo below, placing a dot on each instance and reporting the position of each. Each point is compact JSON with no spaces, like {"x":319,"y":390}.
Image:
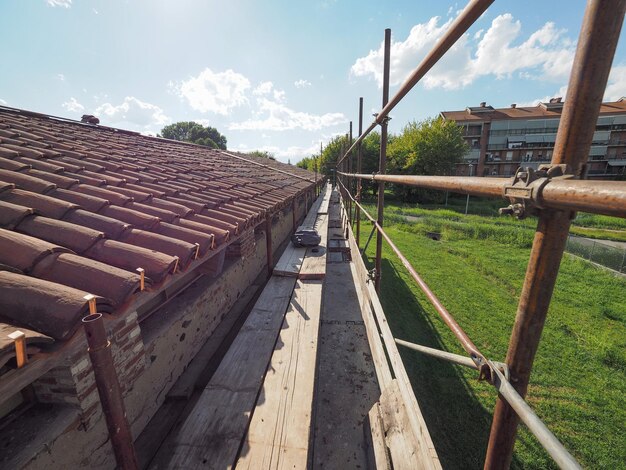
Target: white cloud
{"x":278,"y":117}
{"x":302,"y":83}
{"x":132,"y":111}
{"x":2,"y":102}
{"x":279,"y":95}
{"x":73,"y":106}
{"x":545,"y":55}
{"x":216,"y":92}
{"x":263,"y":88}
{"x":59,"y":3}
{"x":293,"y":153}
{"x":616,"y":87}
{"x":267,"y":88}
{"x":60,"y":77}
{"x":560,"y":93}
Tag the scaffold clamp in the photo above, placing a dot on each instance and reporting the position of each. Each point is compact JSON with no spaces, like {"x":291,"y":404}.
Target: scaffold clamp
{"x":525,"y":190}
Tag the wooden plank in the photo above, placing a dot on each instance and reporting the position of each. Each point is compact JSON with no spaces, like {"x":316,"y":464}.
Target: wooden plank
{"x":314,"y":264}
{"x":311,"y":217}
{"x":212,"y":433}
{"x":381,"y":366}
{"x":377,"y":438}
{"x":336,"y":244}
{"x":278,"y":436}
{"x":403,"y":446}
{"x":290,"y":262}
{"x":326,"y":191}
{"x":418,"y":425}
{"x":374,"y":314}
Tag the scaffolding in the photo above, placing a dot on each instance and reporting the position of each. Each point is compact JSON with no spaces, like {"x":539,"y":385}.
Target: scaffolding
{"x":552,"y":193}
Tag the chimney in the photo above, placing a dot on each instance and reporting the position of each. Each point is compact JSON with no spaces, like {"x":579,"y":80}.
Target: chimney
{"x":514,"y":106}
{"x":89,"y":119}
{"x":483,"y":104}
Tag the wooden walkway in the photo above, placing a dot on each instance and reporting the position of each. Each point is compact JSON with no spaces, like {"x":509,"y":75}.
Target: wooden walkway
{"x":305,"y":383}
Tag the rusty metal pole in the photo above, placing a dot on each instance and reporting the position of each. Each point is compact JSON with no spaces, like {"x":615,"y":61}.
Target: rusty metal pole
{"x":319,"y":161}
{"x":359,"y":169}
{"x":382,"y":162}
{"x":268,"y":244}
{"x":592,"y":63}
{"x":110,"y":392}
{"x":350,"y":162}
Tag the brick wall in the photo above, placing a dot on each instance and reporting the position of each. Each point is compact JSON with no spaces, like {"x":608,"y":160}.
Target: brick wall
{"x":73,"y":382}
{"x":245,"y":246}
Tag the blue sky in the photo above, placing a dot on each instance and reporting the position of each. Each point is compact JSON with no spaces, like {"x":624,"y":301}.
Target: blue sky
{"x":277,"y":75}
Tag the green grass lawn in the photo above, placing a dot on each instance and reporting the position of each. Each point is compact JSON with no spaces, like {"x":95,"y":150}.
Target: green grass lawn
{"x":578,"y":385}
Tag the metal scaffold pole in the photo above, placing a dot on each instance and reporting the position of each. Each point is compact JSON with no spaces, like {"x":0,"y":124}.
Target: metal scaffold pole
{"x":350,"y":184}
{"x":382,"y":163}
{"x":594,"y":55}
{"x":359,"y":169}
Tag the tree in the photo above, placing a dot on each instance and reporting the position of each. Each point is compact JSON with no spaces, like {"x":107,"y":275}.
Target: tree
{"x":261,"y":154}
{"x":430,"y":147}
{"x":189,"y":131}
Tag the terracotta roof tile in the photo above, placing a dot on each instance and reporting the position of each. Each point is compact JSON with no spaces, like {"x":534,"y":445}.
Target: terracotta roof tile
{"x":23,"y":181}
{"x":82,"y":207}
{"x":12,"y":214}
{"x":76,"y":238}
{"x":23,"y":151}
{"x":131,"y":216}
{"x":60,"y":181}
{"x":51,"y":308}
{"x":180,"y":209}
{"x":112,"y":228}
{"x":105,"y":193}
{"x":42,"y":204}
{"x":130,"y":257}
{"x":23,"y":252}
{"x":185,"y":251}
{"x":88,"y":275}
{"x":12,"y":165}
{"x":86,"y":201}
{"x":138,"y":196}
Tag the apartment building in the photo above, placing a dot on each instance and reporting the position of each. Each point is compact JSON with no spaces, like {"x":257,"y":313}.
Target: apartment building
{"x":503,"y":139}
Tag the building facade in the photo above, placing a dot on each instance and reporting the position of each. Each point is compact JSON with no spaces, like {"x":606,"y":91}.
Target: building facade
{"x":501,"y":140}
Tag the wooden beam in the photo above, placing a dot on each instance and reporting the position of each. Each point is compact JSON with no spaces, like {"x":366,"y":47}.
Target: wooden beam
{"x":377,"y":438}
{"x":279,"y":432}
{"x":314,"y":263}
{"x":326,"y":192}
{"x":290,"y":262}
{"x":377,"y":326}
{"x":212,"y":433}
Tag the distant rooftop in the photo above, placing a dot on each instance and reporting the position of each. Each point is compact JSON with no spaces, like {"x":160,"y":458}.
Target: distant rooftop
{"x":551,"y":109}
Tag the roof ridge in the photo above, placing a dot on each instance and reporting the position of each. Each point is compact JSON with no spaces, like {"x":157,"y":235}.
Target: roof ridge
{"x":268,"y":166}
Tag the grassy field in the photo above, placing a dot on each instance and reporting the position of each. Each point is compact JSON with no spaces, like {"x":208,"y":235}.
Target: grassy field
{"x":477,"y":269}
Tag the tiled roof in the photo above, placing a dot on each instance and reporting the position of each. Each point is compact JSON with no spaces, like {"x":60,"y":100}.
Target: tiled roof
{"x":82,"y":207}
{"x":522,"y":112}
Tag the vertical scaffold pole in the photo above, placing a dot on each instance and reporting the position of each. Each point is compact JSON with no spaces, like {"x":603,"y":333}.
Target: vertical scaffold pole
{"x":592,"y":63}
{"x":382,"y":163}
{"x":359,"y":170}
{"x":110,"y":392}
{"x":350,"y":178}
